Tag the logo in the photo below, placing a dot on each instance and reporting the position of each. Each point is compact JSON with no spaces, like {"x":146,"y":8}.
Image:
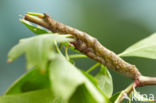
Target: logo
{"x":136,"y":96}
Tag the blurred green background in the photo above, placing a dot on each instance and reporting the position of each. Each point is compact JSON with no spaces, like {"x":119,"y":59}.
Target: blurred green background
{"x":117,"y":24}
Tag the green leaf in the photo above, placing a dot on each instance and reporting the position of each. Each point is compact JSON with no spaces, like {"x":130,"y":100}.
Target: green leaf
{"x":104,"y":80}
{"x":66,"y":78}
{"x":38,"y":49}
{"x":39,"y":96}
{"x":82,"y":95}
{"x":34,"y":29}
{"x":35,"y":14}
{"x":32,"y":80}
{"x":145,"y":48}
{"x":94,"y":82}
{"x":91,"y":78}
{"x":114,"y":97}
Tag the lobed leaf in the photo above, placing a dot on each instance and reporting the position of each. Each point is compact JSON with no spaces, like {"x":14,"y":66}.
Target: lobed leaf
{"x":145,"y":48}
{"x":39,"y":96}
{"x":39,"y":30}
{"x":38,"y":49}
{"x":66,"y":79}
{"x":32,"y":80}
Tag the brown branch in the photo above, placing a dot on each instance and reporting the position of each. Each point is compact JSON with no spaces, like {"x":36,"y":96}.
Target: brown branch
{"x":144,"y":80}
{"x":91,"y":47}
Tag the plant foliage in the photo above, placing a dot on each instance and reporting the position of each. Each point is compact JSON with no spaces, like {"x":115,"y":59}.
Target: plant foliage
{"x":52,"y":78}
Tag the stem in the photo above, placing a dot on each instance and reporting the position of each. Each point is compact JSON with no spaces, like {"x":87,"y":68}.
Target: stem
{"x":57,"y":48}
{"x":93,"y":67}
{"x":132,"y":87}
{"x":89,"y":46}
{"x":144,"y":80}
{"x":124,"y":93}
{"x":92,"y":48}
{"x":66,"y":53}
{"x":61,"y":45}
{"x":77,"y":56}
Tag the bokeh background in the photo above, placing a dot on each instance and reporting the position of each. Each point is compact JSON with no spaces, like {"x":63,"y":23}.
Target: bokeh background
{"x":117,"y":24}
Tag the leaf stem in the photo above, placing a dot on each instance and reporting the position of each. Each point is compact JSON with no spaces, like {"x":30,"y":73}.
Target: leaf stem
{"x":77,"y":56}
{"x":93,"y":67}
{"x":124,"y":93}
{"x":57,"y":48}
{"x":66,"y":53}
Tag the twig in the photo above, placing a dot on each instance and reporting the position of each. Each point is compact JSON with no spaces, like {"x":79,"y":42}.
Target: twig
{"x":88,"y":45}
{"x":131,"y":88}
{"x":91,"y":47}
{"x":125,"y":93}
{"x":144,"y":80}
